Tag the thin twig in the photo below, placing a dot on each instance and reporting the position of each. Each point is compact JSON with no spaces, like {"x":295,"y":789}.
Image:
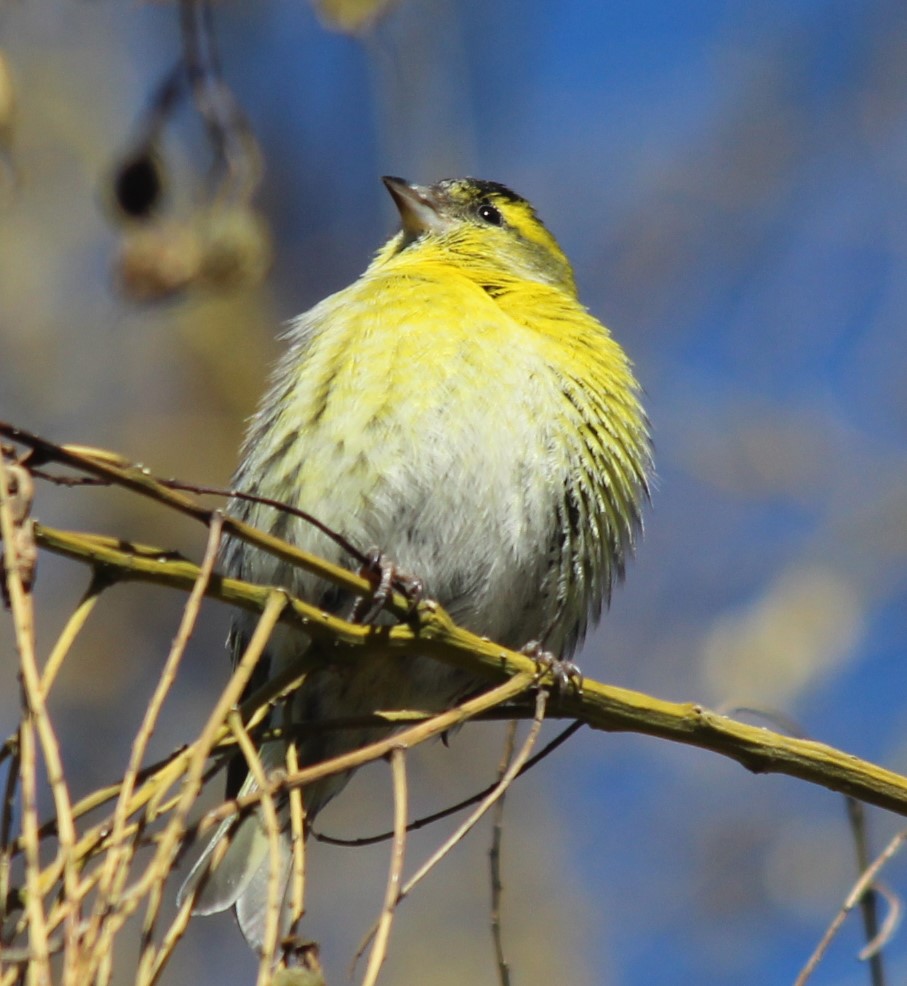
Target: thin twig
{"x":468,"y":824}
{"x":866,"y":880}
{"x":34,"y":726}
{"x":494,"y":860}
{"x":191,"y":783}
{"x":296,"y":897}
{"x":272,"y":830}
{"x":73,"y":626}
{"x":343,"y":543}
{"x":473,"y":799}
{"x":6,"y":828}
{"x":228,"y":129}
{"x":500,"y":788}
{"x":442,"y":722}
{"x":115,"y":469}
{"x":889,"y":925}
{"x":856,"y":815}
{"x":392,"y":891}
{"x":103,"y":928}
{"x":168,"y":943}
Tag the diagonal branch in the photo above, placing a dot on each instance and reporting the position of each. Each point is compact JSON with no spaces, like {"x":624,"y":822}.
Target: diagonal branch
{"x":434,"y":634}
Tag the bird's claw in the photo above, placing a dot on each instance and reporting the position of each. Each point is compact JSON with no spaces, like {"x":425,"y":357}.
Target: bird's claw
{"x":565,"y":674}
{"x":386,"y":578}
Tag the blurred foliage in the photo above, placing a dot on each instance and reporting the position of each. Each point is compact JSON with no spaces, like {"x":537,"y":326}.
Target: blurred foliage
{"x":351,"y":15}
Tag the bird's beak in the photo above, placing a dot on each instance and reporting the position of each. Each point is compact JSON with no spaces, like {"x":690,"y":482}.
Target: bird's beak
{"x":419,"y":205}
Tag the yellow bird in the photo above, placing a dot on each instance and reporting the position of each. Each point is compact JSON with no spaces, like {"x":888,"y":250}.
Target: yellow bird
{"x":459,"y":409}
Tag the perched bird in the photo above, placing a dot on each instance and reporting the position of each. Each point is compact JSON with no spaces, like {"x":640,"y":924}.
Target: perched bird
{"x":457,"y":408}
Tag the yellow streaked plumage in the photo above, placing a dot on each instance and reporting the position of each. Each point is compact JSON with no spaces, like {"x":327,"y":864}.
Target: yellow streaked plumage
{"x":459,"y":409}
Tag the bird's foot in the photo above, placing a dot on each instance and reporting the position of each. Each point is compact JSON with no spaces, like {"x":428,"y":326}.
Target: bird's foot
{"x":565,"y":674}
{"x":386,"y":579}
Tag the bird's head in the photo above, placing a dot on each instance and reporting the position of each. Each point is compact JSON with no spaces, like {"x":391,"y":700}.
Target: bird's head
{"x":479,"y":226}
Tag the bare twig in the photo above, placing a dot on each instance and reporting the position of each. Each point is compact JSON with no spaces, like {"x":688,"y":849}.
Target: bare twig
{"x":468,"y":824}
{"x":73,"y":625}
{"x":499,"y":789}
{"x":867,"y":877}
{"x":508,"y":711}
{"x":440,"y":723}
{"x":35,"y":727}
{"x":392,"y":891}
{"x":102,"y":929}
{"x":201,"y":749}
{"x":227,"y":126}
{"x":269,"y":501}
{"x":6,"y":829}
{"x":494,"y":861}
{"x":296,"y":896}
{"x":114,"y":469}
{"x":889,"y":925}
{"x":272,"y":829}
{"x":856,"y":815}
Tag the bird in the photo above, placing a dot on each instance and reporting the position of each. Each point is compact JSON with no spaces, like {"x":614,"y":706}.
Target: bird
{"x":459,"y":410}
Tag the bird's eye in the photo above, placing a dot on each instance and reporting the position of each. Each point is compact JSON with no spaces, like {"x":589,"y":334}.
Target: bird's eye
{"x":490,"y":215}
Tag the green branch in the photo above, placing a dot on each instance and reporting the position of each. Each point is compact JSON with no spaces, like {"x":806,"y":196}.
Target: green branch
{"x":432,"y":633}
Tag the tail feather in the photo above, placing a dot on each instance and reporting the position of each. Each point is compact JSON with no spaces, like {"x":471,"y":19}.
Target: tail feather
{"x":251,"y":904}
{"x":242,"y":877}
{"x":218,"y":889}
